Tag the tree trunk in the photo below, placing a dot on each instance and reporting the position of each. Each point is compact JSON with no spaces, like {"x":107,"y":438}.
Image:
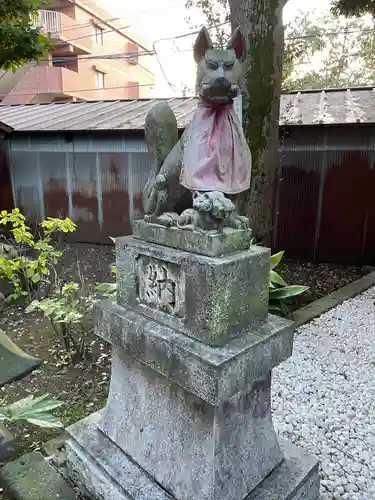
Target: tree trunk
{"x":261,"y":25}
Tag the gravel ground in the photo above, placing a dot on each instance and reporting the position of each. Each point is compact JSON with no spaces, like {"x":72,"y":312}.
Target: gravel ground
{"x":324,"y":397}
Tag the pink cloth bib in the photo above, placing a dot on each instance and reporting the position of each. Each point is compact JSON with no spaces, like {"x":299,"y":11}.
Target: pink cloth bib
{"x":216,"y":156}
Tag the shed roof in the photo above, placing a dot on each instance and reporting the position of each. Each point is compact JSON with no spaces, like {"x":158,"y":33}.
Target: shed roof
{"x":5,"y":128}
{"x":327,"y":107}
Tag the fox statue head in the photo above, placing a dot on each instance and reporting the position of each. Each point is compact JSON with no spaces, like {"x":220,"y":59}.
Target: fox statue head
{"x":219,"y":71}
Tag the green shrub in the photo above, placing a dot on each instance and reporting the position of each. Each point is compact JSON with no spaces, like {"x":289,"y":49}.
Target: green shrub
{"x":69,"y":312}
{"x":27,"y":272}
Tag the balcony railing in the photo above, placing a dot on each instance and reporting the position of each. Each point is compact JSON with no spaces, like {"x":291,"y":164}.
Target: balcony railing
{"x":64,"y":30}
{"x":48,"y":21}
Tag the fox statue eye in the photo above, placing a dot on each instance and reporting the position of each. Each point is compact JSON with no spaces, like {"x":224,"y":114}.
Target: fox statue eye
{"x":212,"y":65}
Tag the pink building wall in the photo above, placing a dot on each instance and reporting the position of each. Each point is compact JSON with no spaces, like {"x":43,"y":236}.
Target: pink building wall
{"x":75,"y":45}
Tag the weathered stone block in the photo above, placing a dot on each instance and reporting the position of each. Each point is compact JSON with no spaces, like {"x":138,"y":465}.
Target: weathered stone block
{"x":212,"y":244}
{"x":31,"y":477}
{"x":213,"y":374}
{"x":103,"y":471}
{"x":191,"y":447}
{"x":195,"y":417}
{"x":208,"y":298}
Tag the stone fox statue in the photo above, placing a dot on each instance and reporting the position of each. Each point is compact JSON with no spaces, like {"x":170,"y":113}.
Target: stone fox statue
{"x":212,"y":154}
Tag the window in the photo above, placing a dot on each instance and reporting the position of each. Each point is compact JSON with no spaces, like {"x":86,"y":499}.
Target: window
{"x":99,"y":79}
{"x":97,"y":34}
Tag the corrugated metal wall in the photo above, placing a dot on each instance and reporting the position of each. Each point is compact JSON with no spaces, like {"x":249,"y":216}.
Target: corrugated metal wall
{"x":325,"y":201}
{"x":6,"y":193}
{"x":95,"y":180}
{"x":325,"y":206}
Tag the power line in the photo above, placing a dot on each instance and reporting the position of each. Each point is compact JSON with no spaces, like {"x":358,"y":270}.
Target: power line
{"x":197,"y":31}
{"x":294,"y":37}
{"x":103,"y":32}
{"x":330,"y":33}
{"x":130,"y":55}
{"x":88,"y":90}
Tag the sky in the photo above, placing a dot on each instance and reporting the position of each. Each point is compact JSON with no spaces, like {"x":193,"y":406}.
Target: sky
{"x":158,"y":19}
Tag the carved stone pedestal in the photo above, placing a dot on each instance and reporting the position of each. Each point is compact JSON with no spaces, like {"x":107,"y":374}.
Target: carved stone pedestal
{"x":188,"y":415}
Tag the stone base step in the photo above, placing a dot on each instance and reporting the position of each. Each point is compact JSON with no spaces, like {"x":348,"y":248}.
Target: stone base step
{"x":102,"y":470}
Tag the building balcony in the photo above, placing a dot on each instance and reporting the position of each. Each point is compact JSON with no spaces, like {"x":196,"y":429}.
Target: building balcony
{"x":69,"y":36}
{"x":45,"y":83}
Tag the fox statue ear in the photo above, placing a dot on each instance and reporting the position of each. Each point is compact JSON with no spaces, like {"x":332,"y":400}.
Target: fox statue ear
{"x":202,"y":43}
{"x":237,"y":43}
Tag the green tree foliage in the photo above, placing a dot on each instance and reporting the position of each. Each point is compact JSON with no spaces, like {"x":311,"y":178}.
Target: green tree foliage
{"x":216,"y":15}
{"x":20,"y":42}
{"x":328,"y":52}
{"x":353,"y":7}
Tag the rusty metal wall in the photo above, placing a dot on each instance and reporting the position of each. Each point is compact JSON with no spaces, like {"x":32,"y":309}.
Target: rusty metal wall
{"x":325,"y":209}
{"x":95,"y":180}
{"x":6,"y":193}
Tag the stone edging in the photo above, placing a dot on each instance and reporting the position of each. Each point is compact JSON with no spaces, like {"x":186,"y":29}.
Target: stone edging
{"x":323,"y":305}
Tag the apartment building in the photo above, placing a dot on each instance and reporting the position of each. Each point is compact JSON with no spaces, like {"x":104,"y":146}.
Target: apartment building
{"x":79,"y":65}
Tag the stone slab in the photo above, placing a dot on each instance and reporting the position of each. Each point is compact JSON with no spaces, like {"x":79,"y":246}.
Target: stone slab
{"x":103,"y":470}
{"x":31,"y":477}
{"x":203,"y":243}
{"x":213,"y":374}
{"x":208,"y":298}
{"x":15,"y":365}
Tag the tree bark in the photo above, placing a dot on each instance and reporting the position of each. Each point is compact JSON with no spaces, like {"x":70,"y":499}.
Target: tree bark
{"x":261,"y":25}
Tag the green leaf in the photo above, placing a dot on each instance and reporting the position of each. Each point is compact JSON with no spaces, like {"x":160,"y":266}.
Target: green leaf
{"x":275,"y":308}
{"x":275,"y":259}
{"x":276,"y":278}
{"x":33,"y":410}
{"x":36,"y":278}
{"x":24,"y":405}
{"x":30,"y":271}
{"x":287,"y":292}
{"x":106,"y":287}
{"x":45,"y":421}
{"x":32,"y":306}
{"x":44,"y":405}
